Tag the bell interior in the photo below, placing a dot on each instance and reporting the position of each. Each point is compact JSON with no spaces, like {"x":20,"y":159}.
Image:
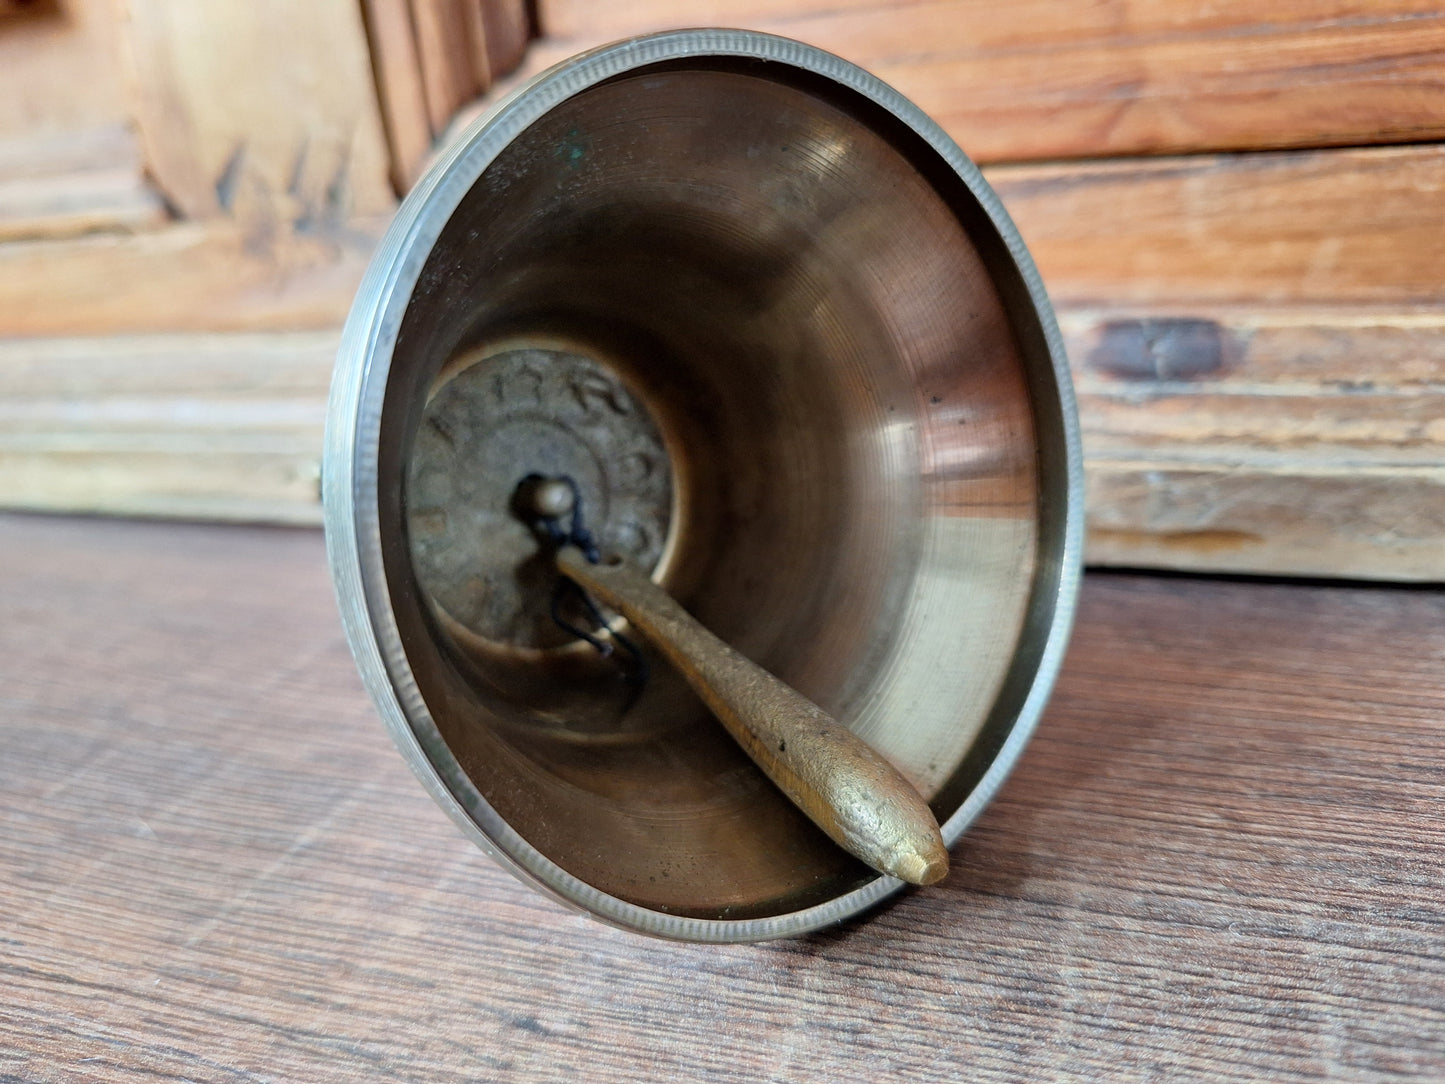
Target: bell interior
{"x":810,"y":306}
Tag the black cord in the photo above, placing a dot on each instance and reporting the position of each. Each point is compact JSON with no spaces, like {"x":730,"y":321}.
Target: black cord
{"x":577,"y":534}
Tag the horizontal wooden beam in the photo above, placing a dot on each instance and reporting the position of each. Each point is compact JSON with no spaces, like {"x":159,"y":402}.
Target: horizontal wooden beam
{"x":1228,"y":439}
{"x":1304,"y":442}
{"x":1301,"y":227}
{"x":218,"y":275}
{"x":1057,"y":79}
{"x":213,"y":426}
{"x":60,"y":184}
{"x":1315,"y":228}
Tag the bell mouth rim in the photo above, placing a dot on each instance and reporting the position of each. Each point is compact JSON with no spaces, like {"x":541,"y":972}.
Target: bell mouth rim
{"x":350,"y":481}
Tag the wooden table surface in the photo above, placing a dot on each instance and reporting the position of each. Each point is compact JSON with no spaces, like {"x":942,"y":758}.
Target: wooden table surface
{"x":1223,"y":858}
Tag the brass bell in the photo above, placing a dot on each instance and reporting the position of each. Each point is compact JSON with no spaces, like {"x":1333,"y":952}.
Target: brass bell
{"x":761,"y":320}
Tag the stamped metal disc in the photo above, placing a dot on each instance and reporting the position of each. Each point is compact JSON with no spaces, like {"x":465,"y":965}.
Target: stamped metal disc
{"x":493,"y":419}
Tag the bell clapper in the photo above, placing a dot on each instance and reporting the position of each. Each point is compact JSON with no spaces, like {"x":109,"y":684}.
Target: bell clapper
{"x":844,"y":786}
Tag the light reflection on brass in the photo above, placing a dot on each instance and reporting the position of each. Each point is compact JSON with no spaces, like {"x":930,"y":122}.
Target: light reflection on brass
{"x":872,"y":460}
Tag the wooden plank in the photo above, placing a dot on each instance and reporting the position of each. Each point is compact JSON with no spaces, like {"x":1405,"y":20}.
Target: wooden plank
{"x":69,"y":160}
{"x":197,"y":426}
{"x":1261,"y":450}
{"x":1346,"y":227}
{"x":57,"y":184}
{"x":434,"y":58}
{"x":1280,"y":519}
{"x":192,"y":276}
{"x":1057,"y":79}
{"x":1220,"y":858}
{"x":448,"y":50}
{"x":508,"y":27}
{"x":1325,"y":363}
{"x":1306,"y":228}
{"x":261,"y":110}
{"x":60,"y":71}
{"x":1304,"y":442}
{"x":399,"y":86}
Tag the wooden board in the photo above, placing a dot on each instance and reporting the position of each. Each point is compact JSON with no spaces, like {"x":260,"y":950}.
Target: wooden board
{"x":59,"y":184}
{"x":1310,"y":228}
{"x":217,"y":275}
{"x":1234,"y":439}
{"x":1305,"y":227}
{"x":195,"y":426}
{"x":1264,"y":440}
{"x":397,"y":68}
{"x":262,"y":110}
{"x":70,"y":161}
{"x":1064,"y":78}
{"x":433,"y":58}
{"x":1219,"y":859}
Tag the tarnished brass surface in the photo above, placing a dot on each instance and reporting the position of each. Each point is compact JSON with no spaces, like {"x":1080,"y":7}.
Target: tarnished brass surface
{"x":846,"y":788}
{"x":494,"y":417}
{"x":869,"y":436}
{"x":852,"y":445}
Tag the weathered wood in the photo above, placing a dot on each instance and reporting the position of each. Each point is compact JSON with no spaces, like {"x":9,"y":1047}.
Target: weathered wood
{"x":196,"y":426}
{"x":1233,"y":439}
{"x":65,"y":183}
{"x":1292,"y":518}
{"x":209,"y":276}
{"x":1257,"y":440}
{"x":397,"y":67}
{"x":1305,"y":228}
{"x":1060,"y":78}
{"x":261,"y":110}
{"x":1220,"y":858}
{"x":69,"y":160}
{"x":448,"y":49}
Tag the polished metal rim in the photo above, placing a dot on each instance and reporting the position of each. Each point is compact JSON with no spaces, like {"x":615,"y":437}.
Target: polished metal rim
{"x":353,"y":434}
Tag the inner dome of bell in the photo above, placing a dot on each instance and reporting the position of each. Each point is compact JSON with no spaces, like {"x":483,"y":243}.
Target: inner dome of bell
{"x":851,"y":446}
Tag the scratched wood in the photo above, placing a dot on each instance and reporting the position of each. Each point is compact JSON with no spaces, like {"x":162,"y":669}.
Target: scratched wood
{"x":1221,"y":858}
{"x":1038,"y":79}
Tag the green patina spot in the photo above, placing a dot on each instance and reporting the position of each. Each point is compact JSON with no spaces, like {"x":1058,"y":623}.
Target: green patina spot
{"x":572,"y":149}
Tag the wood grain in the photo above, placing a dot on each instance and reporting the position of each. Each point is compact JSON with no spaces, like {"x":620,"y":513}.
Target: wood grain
{"x":260,"y":110}
{"x":1220,"y":858}
{"x":196,"y":426}
{"x":397,"y":68}
{"x":1064,"y":79}
{"x":1302,"y":228}
{"x":1191,"y":231}
{"x":1258,"y":439}
{"x":218,"y":275}
{"x":59,"y":184}
{"x":1232,"y":438}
